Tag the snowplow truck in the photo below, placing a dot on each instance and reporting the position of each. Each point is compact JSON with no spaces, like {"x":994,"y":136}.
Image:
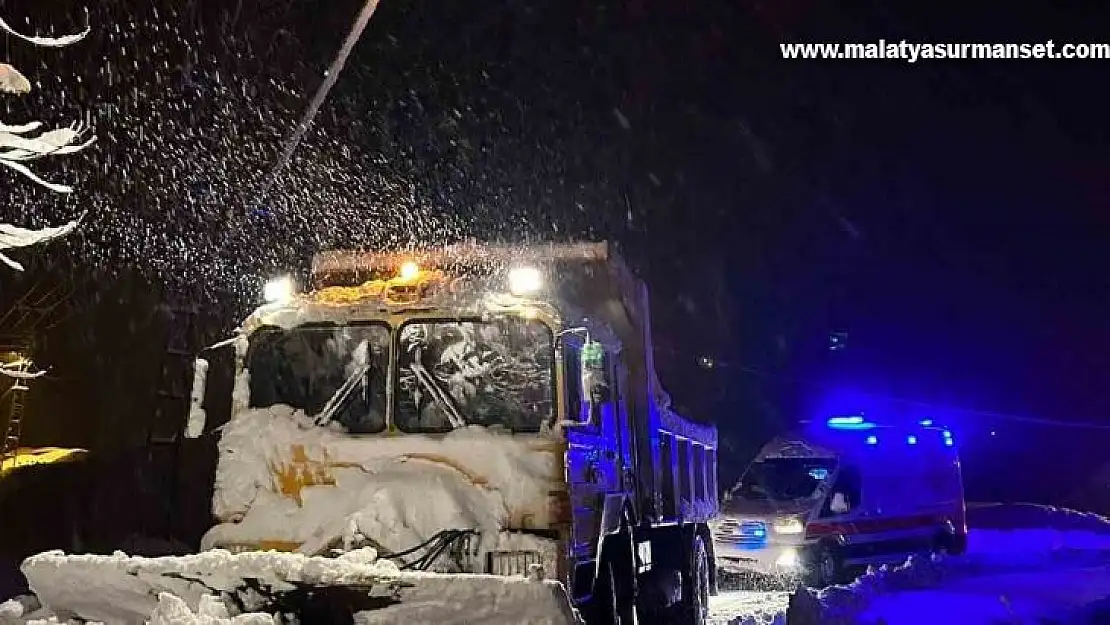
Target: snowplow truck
{"x":472,"y":409}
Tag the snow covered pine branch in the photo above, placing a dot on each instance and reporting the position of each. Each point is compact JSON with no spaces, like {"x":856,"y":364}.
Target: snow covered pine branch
{"x":20,"y":144}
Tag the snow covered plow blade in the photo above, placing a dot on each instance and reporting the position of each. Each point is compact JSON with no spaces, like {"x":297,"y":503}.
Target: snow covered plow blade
{"x":272,"y":587}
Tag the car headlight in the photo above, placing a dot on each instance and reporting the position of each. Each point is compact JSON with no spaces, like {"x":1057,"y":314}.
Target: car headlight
{"x":788,"y":525}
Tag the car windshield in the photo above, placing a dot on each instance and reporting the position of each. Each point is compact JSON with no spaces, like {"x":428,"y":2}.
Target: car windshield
{"x":336,"y":374}
{"x":495,"y":372}
{"x":784,"y":479}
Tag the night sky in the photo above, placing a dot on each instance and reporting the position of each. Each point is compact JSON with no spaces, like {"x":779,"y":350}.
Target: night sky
{"x":950,"y":216}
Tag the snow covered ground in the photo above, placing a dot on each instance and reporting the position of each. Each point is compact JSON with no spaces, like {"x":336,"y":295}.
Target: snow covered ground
{"x":217,"y":587}
{"x":1013,"y":573}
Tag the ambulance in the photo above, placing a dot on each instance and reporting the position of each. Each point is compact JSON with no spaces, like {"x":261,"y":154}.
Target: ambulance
{"x":843,"y":494}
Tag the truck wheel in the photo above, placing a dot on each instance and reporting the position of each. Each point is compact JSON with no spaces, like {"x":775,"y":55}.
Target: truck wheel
{"x":613,"y":601}
{"x":951,"y":544}
{"x":622,"y":602}
{"x":959,"y":545}
{"x":696,"y":592}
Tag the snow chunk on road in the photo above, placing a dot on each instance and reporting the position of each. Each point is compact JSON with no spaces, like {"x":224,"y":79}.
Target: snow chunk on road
{"x":748,"y":607}
{"x":842,"y":605}
{"x":123,"y":589}
{"x":173,"y":610}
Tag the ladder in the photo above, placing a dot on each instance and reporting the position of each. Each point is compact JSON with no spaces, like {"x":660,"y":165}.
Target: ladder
{"x":15,"y":419}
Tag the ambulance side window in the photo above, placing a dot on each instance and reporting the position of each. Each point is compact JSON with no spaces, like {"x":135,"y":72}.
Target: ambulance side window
{"x":845,"y":494}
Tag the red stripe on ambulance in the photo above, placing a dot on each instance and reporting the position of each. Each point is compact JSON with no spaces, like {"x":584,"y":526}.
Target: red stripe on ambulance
{"x":873,"y":526}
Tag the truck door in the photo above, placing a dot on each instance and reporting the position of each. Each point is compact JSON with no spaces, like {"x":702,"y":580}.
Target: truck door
{"x":593,"y":454}
{"x":626,"y":480}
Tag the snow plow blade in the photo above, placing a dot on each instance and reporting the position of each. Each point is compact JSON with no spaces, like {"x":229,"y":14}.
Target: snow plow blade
{"x":131,"y":589}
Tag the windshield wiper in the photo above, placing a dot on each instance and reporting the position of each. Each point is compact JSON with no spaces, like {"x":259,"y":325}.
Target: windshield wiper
{"x":340,"y":396}
{"x":436,"y":391}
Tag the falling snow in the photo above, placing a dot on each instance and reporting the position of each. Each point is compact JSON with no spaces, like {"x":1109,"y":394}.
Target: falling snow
{"x":192,"y":105}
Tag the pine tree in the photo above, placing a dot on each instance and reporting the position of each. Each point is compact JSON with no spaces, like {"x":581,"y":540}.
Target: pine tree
{"x":22,"y":143}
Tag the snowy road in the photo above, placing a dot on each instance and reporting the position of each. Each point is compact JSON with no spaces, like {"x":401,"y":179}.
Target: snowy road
{"x":747,"y":607}
{"x":1008,"y":597}
{"x":1009,"y":575}
{"x":976,"y":598}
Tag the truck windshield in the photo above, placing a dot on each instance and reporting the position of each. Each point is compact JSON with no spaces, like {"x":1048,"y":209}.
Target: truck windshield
{"x":336,"y":374}
{"x":495,"y":372}
{"x":784,"y":479}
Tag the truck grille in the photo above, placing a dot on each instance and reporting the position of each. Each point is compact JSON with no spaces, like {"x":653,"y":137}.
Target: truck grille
{"x":743,"y":533}
{"x":512,"y":563}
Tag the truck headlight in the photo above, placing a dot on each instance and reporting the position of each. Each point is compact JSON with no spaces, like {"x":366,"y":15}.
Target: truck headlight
{"x":279,"y":290}
{"x":524,"y":280}
{"x":788,"y":525}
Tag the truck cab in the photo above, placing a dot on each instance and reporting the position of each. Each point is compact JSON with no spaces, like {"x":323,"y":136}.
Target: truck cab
{"x":475,"y":408}
{"x":843,"y":494}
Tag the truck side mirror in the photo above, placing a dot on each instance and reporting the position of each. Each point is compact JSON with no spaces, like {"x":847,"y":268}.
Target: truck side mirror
{"x":594,"y":387}
{"x":839,"y":503}
{"x":600,"y":394}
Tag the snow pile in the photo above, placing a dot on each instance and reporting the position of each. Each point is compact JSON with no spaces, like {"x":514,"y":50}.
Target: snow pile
{"x":1035,"y":543}
{"x":748,"y":608}
{"x":990,"y":551}
{"x":13,"y":610}
{"x":842,"y":605}
{"x":217,"y":587}
{"x":1096,"y":612}
{"x":1028,"y":515}
{"x":173,"y":610}
{"x":282,"y":478}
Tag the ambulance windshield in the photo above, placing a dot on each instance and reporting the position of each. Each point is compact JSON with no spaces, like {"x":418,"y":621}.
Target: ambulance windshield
{"x":784,"y":479}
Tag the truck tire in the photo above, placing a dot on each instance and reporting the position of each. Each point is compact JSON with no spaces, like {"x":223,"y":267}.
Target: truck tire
{"x":959,"y":545}
{"x":695,"y":594}
{"x":951,"y":544}
{"x":614,"y":597}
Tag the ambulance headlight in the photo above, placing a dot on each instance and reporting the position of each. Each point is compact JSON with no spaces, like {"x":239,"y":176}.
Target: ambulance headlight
{"x":788,"y":525}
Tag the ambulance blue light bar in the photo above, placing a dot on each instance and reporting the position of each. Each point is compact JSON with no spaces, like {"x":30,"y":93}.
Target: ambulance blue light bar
{"x":849,"y":423}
